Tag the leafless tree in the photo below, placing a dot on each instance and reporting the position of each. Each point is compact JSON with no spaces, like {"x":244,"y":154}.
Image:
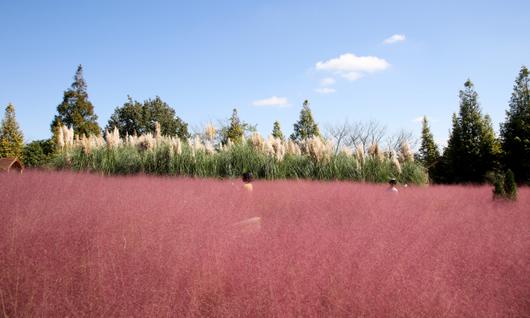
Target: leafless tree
{"x":394,"y":142}
{"x":352,"y":134}
{"x":365,"y":133}
{"x":339,"y":133}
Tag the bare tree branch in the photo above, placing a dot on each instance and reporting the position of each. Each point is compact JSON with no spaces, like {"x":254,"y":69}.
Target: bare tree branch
{"x":394,"y":142}
{"x":338,"y":133}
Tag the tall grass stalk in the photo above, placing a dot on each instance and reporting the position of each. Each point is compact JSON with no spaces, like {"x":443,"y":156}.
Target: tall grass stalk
{"x":266,"y":158}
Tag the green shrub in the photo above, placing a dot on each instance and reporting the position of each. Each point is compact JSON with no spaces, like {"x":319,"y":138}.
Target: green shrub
{"x":510,"y":187}
{"x":504,"y":186}
{"x":37,"y":153}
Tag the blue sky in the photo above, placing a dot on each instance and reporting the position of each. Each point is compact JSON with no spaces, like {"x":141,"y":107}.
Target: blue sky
{"x":206,"y":57}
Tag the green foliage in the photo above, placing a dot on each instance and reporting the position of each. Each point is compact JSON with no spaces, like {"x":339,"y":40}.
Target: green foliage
{"x":11,"y":138}
{"x":428,"y":152}
{"x":135,"y":118}
{"x":38,"y":153}
{"x":234,"y":132}
{"x":515,"y":132}
{"x":232,"y":162}
{"x":472,"y":148}
{"x":277,"y":131}
{"x":510,"y":187}
{"x":306,"y":127}
{"x":76,"y":110}
{"x":505,"y":186}
{"x":498,"y":187}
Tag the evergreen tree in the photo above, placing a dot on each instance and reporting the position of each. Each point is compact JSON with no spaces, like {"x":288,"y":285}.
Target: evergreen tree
{"x":277,"y":131}
{"x":76,"y":110}
{"x":491,"y":146}
{"x":445,"y":170}
{"x":11,"y":138}
{"x":305,"y":127}
{"x":137,"y":118}
{"x":234,"y":132}
{"x":515,"y":132}
{"x":471,"y":148}
{"x":428,"y":152}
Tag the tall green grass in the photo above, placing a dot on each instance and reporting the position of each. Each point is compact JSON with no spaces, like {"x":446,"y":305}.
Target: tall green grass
{"x":232,"y":162}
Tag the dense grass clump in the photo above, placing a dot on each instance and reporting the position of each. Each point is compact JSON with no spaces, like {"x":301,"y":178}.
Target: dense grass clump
{"x":82,"y":245}
{"x":266,"y":159}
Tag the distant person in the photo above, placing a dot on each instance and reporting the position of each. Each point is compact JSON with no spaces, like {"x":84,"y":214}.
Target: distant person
{"x":392,"y":186}
{"x":247,"y":180}
{"x":253,"y":224}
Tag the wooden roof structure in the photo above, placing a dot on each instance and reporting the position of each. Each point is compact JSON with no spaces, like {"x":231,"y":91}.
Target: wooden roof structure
{"x":9,"y":164}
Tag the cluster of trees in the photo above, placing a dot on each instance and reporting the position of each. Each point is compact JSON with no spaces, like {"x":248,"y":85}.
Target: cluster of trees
{"x":473,"y":152}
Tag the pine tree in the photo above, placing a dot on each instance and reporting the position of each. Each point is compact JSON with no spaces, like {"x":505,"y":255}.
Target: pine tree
{"x":76,"y":110}
{"x":305,"y":127}
{"x":447,"y":171}
{"x":471,"y":148}
{"x":277,"y":131}
{"x":491,"y":147}
{"x":428,"y":152}
{"x":515,"y":132}
{"x":11,"y":138}
{"x":235,"y":131}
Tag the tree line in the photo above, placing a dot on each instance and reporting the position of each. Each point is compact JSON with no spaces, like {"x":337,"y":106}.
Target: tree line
{"x":474,"y":153}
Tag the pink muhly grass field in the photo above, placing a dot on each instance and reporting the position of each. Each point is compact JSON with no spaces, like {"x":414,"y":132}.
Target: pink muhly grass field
{"x":87,"y":245}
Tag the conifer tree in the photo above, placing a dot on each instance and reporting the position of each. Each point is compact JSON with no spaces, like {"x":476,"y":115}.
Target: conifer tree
{"x":491,"y":146}
{"x":305,"y":127}
{"x":76,"y":110}
{"x":428,"y":152}
{"x":471,"y":148}
{"x":515,"y":132}
{"x":235,"y":131}
{"x":445,"y":168}
{"x":277,"y":131}
{"x":11,"y":138}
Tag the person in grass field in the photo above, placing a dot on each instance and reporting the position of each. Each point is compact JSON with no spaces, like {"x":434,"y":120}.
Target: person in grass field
{"x":247,"y":180}
{"x":250,"y":225}
{"x":392,"y":186}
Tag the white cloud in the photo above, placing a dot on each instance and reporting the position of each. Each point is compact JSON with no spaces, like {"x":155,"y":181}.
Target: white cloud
{"x":325,"y":90}
{"x":353,"y":67}
{"x":353,"y":76}
{"x":418,"y":119}
{"x":328,"y":81}
{"x":395,"y":39}
{"x":272,"y":101}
